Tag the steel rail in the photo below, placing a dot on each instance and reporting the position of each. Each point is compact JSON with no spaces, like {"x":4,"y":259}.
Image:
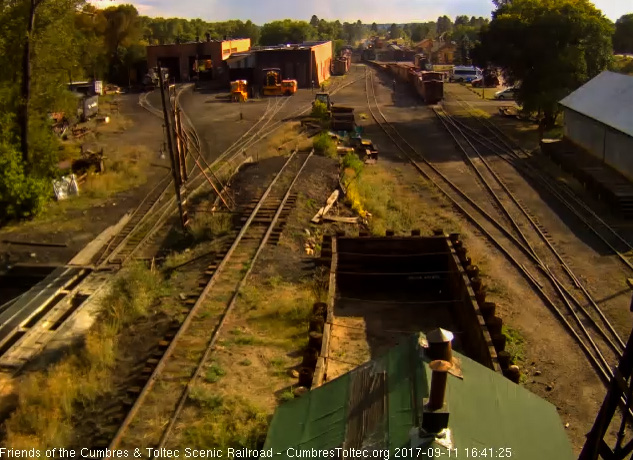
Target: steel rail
{"x":566,"y":268}
{"x":603,"y":370}
{"x":184,"y":326}
{"x":233,"y":300}
{"x":477,"y":137}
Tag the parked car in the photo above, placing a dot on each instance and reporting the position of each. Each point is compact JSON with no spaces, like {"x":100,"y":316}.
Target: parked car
{"x":508,"y":93}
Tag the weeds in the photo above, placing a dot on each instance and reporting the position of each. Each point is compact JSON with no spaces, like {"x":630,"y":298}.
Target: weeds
{"x":214,"y":373}
{"x":286,"y":396}
{"x":132,"y":295}
{"x":320,"y":284}
{"x":244,"y":340}
{"x":236,"y":423}
{"x":351,"y":161}
{"x":210,"y":226}
{"x":245,"y":362}
{"x":44,"y":416}
{"x":205,"y":399}
{"x":324,"y":145}
{"x":319,"y":110}
{"x":515,"y":344}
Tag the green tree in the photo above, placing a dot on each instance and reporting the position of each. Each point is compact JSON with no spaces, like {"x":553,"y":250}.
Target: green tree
{"x":395,"y":32}
{"x":314,"y":21}
{"x":550,"y":47}
{"x":444,"y":24}
{"x":286,"y":31}
{"x":623,"y":36}
{"x":461,"y":21}
{"x":374,"y":27}
{"x":464,"y":46}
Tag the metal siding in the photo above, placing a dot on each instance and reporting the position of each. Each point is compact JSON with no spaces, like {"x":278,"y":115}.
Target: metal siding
{"x":607,"y":98}
{"x":585,"y":132}
{"x":619,"y":148}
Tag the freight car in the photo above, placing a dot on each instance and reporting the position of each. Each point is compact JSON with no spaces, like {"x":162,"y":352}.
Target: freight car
{"x":340,"y":65}
{"x":431,"y":87}
{"x":428,"y":85}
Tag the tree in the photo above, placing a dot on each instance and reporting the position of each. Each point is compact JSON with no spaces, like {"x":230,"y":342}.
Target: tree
{"x":314,"y":21}
{"x":444,"y":24}
{"x":462,"y":21}
{"x":395,"y":32}
{"x":374,"y":27}
{"x":623,"y":36}
{"x":464,"y":50}
{"x":550,"y":47}
{"x":286,"y":31}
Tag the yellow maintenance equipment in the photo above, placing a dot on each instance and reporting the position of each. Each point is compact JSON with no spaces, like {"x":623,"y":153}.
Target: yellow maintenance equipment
{"x":289,"y":87}
{"x":239,"y":91}
{"x":272,"y":82}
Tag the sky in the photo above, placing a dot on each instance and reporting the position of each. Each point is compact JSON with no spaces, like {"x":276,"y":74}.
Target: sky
{"x":368,"y":11}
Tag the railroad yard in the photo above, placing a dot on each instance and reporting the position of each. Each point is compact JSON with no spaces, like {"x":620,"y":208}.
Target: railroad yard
{"x":211,"y":326}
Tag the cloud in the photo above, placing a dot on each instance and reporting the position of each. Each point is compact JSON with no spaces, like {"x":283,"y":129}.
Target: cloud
{"x":399,"y":11}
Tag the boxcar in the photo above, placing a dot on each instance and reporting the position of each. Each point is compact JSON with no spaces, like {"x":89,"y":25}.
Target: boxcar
{"x":433,"y":91}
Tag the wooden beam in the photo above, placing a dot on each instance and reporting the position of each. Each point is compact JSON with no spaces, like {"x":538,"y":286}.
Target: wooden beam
{"x":324,"y":210}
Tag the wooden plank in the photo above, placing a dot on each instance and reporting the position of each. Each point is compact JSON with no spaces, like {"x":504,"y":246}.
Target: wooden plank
{"x":323,"y":211}
{"x":345,"y":220}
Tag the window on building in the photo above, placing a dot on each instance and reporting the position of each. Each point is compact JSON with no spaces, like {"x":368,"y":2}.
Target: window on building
{"x":233,"y":50}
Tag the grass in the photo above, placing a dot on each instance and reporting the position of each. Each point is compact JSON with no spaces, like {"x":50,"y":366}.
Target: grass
{"x":286,"y":396}
{"x":288,"y":137}
{"x":208,"y":226}
{"x":124,"y":169}
{"x":214,"y":373}
{"x":232,"y":421}
{"x":391,"y":203}
{"x":515,"y":344}
{"x":324,"y":145}
{"x":132,"y":295}
{"x":47,"y":400}
{"x":205,"y":399}
{"x":245,"y":362}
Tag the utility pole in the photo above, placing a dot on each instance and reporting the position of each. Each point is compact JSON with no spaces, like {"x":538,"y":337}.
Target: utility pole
{"x":175,"y":167}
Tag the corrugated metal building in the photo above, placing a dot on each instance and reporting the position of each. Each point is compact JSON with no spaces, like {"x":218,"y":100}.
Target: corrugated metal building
{"x":380,"y":405}
{"x":305,"y":62}
{"x":599,"y":118}
{"x":182,"y":58}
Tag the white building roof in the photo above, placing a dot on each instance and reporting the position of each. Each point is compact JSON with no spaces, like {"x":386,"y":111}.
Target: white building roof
{"x":607,"y":98}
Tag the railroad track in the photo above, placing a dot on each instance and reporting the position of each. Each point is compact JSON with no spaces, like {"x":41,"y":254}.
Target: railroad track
{"x":489,"y":136}
{"x":514,"y":238}
{"x":144,"y":225}
{"x":170,"y":379}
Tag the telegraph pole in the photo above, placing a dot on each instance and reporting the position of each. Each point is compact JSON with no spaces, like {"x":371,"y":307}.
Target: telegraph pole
{"x":175,"y":167}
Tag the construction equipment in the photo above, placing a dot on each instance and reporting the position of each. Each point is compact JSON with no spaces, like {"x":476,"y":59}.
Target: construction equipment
{"x":365,"y":149}
{"x":239,"y":91}
{"x":289,"y":87}
{"x":272,"y":82}
{"x":323,"y":98}
{"x":341,"y":118}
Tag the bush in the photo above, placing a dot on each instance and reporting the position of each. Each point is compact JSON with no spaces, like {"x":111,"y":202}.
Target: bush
{"x":207,"y":226}
{"x":319,"y":110}
{"x":324,"y":145}
{"x":351,"y":160}
{"x":20,"y":195}
{"x":133,"y":293}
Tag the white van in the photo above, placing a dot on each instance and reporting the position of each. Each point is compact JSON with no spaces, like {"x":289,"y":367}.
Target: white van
{"x":465,"y":74}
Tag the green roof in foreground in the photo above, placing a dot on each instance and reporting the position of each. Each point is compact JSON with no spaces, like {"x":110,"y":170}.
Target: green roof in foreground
{"x":379,"y":406}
